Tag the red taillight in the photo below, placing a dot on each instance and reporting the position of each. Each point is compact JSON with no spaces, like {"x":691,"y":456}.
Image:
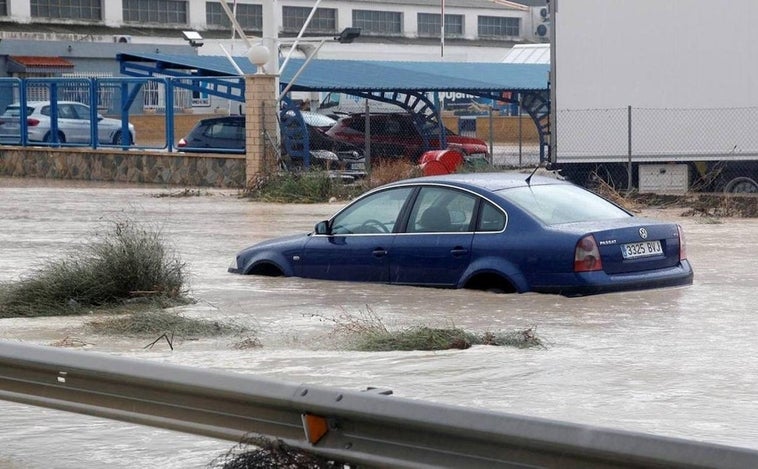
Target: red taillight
{"x":587,"y":255}
{"x":682,"y":244}
{"x":31,"y":122}
{"x":181,"y":143}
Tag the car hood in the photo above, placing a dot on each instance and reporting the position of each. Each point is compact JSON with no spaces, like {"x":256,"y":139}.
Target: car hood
{"x":283,"y":242}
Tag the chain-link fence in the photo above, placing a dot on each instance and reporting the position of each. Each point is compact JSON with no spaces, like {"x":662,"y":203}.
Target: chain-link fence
{"x":682,"y":149}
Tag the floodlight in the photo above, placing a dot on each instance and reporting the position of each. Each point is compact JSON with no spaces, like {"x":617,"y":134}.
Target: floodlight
{"x":348,"y":35}
{"x":194,"y":38}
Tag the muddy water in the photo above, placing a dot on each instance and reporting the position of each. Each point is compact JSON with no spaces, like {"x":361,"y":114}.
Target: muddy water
{"x":677,"y":362}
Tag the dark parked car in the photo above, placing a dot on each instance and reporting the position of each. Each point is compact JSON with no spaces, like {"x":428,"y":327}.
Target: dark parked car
{"x":396,"y":134}
{"x":490,"y":231}
{"x":227,"y":135}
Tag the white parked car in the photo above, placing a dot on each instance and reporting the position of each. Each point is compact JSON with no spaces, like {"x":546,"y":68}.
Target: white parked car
{"x":73,"y":124}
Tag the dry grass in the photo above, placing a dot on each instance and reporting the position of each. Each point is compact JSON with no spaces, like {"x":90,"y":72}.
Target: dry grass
{"x":119,"y":265}
{"x":151,"y":324}
{"x":271,"y":453}
{"x":706,"y":205}
{"x":387,"y":171}
{"x":366,"y":332}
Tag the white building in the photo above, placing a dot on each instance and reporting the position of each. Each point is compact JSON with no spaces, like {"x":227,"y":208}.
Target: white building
{"x":475,"y":30}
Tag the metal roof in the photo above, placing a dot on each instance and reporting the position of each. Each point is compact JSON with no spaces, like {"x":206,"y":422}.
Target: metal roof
{"x":528,"y":54}
{"x":359,"y":75}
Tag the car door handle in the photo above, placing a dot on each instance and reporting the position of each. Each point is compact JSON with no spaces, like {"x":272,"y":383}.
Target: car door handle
{"x":459,"y":251}
{"x":379,"y":252}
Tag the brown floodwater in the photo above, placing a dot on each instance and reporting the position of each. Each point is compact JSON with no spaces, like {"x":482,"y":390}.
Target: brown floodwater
{"x":676,"y":362}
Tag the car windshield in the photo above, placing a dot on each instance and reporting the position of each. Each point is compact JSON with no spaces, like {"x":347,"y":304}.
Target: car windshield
{"x":318,"y":120}
{"x":562,"y":203}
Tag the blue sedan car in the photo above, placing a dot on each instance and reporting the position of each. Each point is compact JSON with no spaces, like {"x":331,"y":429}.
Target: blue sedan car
{"x":501,"y":232}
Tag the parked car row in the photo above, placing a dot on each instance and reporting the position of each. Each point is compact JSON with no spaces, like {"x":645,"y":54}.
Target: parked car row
{"x":227,"y":135}
{"x":335,"y":144}
{"x":393,"y":135}
{"x":74,"y":125}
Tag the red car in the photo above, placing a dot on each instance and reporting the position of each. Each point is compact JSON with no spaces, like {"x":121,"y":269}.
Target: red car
{"x":396,"y":134}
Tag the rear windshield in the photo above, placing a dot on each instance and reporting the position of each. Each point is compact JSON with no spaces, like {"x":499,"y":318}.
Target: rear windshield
{"x":15,"y":111}
{"x":562,"y":203}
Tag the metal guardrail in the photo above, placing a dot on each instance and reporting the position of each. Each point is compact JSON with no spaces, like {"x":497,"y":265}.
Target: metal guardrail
{"x":359,"y":427}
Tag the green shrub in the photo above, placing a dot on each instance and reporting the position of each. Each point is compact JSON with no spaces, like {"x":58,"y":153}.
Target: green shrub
{"x":126,"y":262}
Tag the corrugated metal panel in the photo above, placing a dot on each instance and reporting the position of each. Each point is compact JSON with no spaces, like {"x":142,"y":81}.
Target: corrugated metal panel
{"x":346,"y":75}
{"x":529,"y":54}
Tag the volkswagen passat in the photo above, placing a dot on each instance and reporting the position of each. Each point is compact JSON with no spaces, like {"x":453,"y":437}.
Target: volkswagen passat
{"x":73,"y":124}
{"x":502,"y":232}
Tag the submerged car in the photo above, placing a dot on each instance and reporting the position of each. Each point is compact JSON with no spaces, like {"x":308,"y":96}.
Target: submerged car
{"x":73,"y":124}
{"x":501,"y":232}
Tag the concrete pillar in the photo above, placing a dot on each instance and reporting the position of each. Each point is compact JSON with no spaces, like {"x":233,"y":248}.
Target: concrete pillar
{"x":260,"y":120}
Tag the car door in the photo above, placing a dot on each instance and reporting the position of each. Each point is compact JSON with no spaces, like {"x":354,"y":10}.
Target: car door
{"x":359,"y":240}
{"x":75,"y":129}
{"x":81,"y":113}
{"x":435,"y":247}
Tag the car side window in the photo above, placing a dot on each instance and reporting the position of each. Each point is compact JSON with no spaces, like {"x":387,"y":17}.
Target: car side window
{"x":373,"y":214}
{"x":65,"y":111}
{"x":440,"y":210}
{"x":79,"y":112}
{"x":491,"y":218}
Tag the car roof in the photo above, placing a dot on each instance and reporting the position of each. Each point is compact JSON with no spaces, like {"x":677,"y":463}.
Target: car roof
{"x":486,"y":181}
{"x":233,"y":118}
{"x":44,"y":103}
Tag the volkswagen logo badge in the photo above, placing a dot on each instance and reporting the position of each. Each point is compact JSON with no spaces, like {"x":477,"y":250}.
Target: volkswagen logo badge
{"x":643,"y":233}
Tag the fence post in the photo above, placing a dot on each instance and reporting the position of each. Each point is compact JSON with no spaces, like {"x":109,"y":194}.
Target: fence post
{"x":492,"y":136}
{"x":629,"y":149}
{"x":367,"y":139}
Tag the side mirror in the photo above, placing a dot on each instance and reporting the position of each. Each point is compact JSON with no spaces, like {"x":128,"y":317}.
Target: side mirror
{"x":322,"y":228}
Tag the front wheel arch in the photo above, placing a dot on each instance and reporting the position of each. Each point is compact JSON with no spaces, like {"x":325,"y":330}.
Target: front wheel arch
{"x":266,"y":269}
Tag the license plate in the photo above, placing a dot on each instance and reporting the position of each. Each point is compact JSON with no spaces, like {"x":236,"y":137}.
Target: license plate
{"x":643,"y":249}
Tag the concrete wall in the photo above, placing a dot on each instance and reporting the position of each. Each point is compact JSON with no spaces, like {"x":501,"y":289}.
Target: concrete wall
{"x":181,"y":169}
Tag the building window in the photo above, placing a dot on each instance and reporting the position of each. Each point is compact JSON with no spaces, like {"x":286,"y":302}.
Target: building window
{"x":374,"y":22}
{"x":3,"y":8}
{"x":429,"y":25}
{"x":155,"y":11}
{"x":323,"y":21}
{"x":497,"y":27}
{"x":57,"y":9}
{"x":250,"y":17}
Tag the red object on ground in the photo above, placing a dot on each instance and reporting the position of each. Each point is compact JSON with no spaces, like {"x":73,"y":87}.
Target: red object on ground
{"x":433,"y":168}
{"x":436,"y":162}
